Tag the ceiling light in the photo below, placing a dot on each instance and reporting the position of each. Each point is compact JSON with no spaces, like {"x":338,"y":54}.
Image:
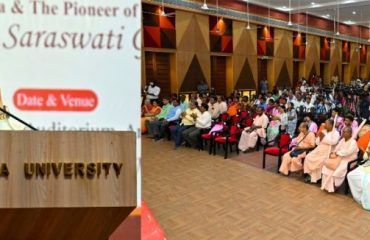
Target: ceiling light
{"x":248,"y":27}
{"x":312,"y":3}
{"x":290,"y":23}
{"x":349,"y":22}
{"x":204,"y":6}
{"x":354,"y":12}
{"x":337,"y":33}
{"x":368,"y":40}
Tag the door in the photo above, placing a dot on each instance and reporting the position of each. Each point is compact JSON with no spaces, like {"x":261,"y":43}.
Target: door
{"x":157,"y":69}
{"x":218,"y":74}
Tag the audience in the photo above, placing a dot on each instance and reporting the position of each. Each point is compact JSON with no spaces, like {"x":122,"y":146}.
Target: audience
{"x":310,"y":105}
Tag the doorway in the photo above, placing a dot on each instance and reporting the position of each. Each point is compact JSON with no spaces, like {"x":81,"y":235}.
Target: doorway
{"x":157,"y":69}
{"x":218,"y":74}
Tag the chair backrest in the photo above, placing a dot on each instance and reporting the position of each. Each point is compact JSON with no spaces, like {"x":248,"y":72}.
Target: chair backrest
{"x":243,"y":114}
{"x":233,"y":130}
{"x":249,"y":122}
{"x":224,"y":117}
{"x":284,"y":140}
{"x":235,"y":119}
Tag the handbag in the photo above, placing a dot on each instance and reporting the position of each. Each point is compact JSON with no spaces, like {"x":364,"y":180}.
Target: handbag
{"x":297,"y":152}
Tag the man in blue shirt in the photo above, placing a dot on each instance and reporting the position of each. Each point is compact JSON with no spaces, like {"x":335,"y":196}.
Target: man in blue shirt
{"x":159,"y":127}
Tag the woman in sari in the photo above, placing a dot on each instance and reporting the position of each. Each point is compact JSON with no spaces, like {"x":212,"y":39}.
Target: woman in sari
{"x":153,"y":112}
{"x":292,"y":160}
{"x":279,"y":120}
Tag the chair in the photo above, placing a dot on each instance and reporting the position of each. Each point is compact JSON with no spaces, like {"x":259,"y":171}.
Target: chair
{"x":227,"y":139}
{"x":235,"y":120}
{"x":279,"y":150}
{"x":352,"y":165}
{"x":224,"y":117}
{"x":209,"y":137}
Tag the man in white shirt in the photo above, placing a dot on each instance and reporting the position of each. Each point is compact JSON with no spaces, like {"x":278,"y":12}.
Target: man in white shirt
{"x":222,"y":105}
{"x":213,"y":108}
{"x":152,"y":92}
{"x":202,"y":123}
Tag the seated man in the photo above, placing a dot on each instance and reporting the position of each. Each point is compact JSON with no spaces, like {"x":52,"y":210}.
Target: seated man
{"x":187,"y":121}
{"x":158,"y":127}
{"x":292,"y":161}
{"x":213,"y":108}
{"x":359,"y":181}
{"x":250,"y":135}
{"x":202,"y":122}
{"x":350,"y":122}
{"x":335,"y":167}
{"x":164,"y":112}
{"x":325,"y":141}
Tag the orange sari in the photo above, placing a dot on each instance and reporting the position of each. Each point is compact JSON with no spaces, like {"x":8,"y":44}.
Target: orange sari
{"x":154,"y":111}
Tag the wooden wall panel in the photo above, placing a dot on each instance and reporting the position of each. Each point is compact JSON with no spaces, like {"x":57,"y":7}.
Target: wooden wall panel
{"x":192,"y":40}
{"x":335,"y":64}
{"x":283,"y":61}
{"x":354,"y":63}
{"x":312,"y":56}
{"x":245,"y":56}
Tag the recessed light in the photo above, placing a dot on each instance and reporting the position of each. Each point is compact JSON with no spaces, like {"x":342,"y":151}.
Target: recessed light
{"x":354,"y":12}
{"x":312,"y":3}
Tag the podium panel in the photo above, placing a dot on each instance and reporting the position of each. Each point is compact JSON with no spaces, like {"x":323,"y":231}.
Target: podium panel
{"x":65,"y":185}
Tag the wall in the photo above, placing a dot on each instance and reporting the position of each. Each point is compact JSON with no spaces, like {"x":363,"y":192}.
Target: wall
{"x":191,"y":60}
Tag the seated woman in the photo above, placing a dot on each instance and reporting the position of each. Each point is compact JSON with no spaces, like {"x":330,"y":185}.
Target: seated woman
{"x":279,"y":121}
{"x":153,"y":112}
{"x":292,"y":160}
{"x":335,"y":167}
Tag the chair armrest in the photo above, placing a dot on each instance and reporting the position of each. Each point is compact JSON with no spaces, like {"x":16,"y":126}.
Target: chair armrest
{"x":349,"y":164}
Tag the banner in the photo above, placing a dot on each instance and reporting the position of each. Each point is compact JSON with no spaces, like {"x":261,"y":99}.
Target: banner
{"x":72,"y":65}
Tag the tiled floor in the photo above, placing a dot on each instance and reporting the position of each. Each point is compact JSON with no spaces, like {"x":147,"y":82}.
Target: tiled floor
{"x":197,"y":196}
